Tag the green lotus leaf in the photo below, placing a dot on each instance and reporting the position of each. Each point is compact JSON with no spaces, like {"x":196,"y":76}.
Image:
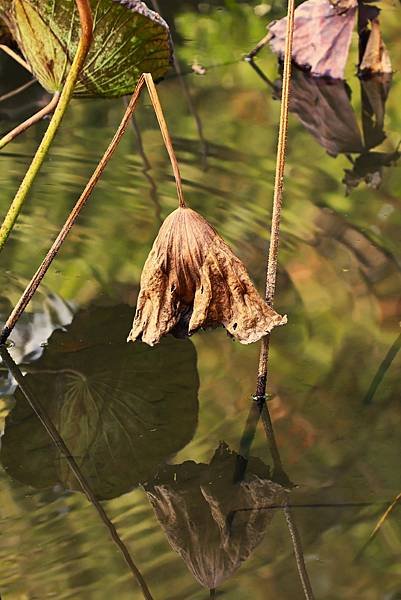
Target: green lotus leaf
{"x":128,"y":39}
{"x":122,"y":409}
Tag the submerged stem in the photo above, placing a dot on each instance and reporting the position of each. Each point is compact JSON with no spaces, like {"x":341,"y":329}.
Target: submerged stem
{"x":86,"y":21}
{"x":80,"y":477}
{"x":42,"y":270}
{"x":166,"y":135}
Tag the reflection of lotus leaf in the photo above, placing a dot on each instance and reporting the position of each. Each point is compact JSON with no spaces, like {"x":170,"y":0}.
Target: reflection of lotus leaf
{"x":324,"y":109}
{"x":116,"y":405}
{"x":129,"y":39}
{"x":197,"y":506}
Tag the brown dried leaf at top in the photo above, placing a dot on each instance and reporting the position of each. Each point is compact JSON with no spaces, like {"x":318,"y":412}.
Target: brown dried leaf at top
{"x":322,"y":37}
{"x":192,"y":280}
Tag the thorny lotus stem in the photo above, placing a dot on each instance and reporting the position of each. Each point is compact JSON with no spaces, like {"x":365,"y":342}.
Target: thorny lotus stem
{"x":166,"y":135}
{"x":46,"y":110}
{"x":42,"y":270}
{"x":271,"y":273}
{"x":66,"y":453}
{"x":85,"y":16}
{"x":15,"y":57}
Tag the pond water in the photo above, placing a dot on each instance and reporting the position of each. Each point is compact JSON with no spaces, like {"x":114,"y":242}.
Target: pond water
{"x":156,"y":433}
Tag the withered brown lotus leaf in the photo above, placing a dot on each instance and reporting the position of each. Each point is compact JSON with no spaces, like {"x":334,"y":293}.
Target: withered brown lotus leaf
{"x":322,"y":37}
{"x":376,"y":58}
{"x":192,"y":280}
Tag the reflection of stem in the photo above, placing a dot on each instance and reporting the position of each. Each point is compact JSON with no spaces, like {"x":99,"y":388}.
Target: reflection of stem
{"x":146,"y":169}
{"x":85,"y":16}
{"x":83,"y":482}
{"x":166,"y":135}
{"x":40,"y":273}
{"x":213,"y":593}
{"x":43,"y":112}
{"x":17,"y":90}
{"x":382,"y":370}
{"x":379,"y":525}
{"x":261,"y":74}
{"x":187,"y":94}
{"x":299,"y":554}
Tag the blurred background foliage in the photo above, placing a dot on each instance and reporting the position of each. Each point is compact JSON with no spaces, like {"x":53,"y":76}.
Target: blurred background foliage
{"x":339,"y":283}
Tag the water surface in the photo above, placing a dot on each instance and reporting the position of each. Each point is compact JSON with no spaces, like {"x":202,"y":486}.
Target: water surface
{"x":157,"y":432}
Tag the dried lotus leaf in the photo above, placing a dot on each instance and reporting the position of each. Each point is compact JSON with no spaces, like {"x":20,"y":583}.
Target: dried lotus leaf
{"x":192,"y":280}
{"x":322,"y":37}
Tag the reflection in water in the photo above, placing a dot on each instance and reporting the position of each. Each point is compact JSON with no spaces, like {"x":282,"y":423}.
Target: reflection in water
{"x":101,"y":418}
{"x":323,"y":106}
{"x":339,"y":283}
{"x":115,"y":407}
{"x":33,"y":329}
{"x":65,"y":453}
{"x":197,"y":505}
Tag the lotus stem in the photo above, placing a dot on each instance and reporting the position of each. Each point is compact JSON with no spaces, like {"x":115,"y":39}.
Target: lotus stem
{"x":42,"y":270}
{"x":86,"y":21}
{"x":17,"y":90}
{"x":15,"y":57}
{"x":271,"y":272}
{"x":66,"y":453}
{"x":46,"y":110}
{"x":154,"y":97}
{"x":263,"y":42}
{"x":271,"y":276}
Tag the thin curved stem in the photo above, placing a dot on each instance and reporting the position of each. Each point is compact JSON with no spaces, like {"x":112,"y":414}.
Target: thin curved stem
{"x":17,"y":90}
{"x":42,"y":270}
{"x":154,"y":97}
{"x":15,"y":57}
{"x":80,"y":477}
{"x":86,"y":21}
{"x":46,"y":110}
